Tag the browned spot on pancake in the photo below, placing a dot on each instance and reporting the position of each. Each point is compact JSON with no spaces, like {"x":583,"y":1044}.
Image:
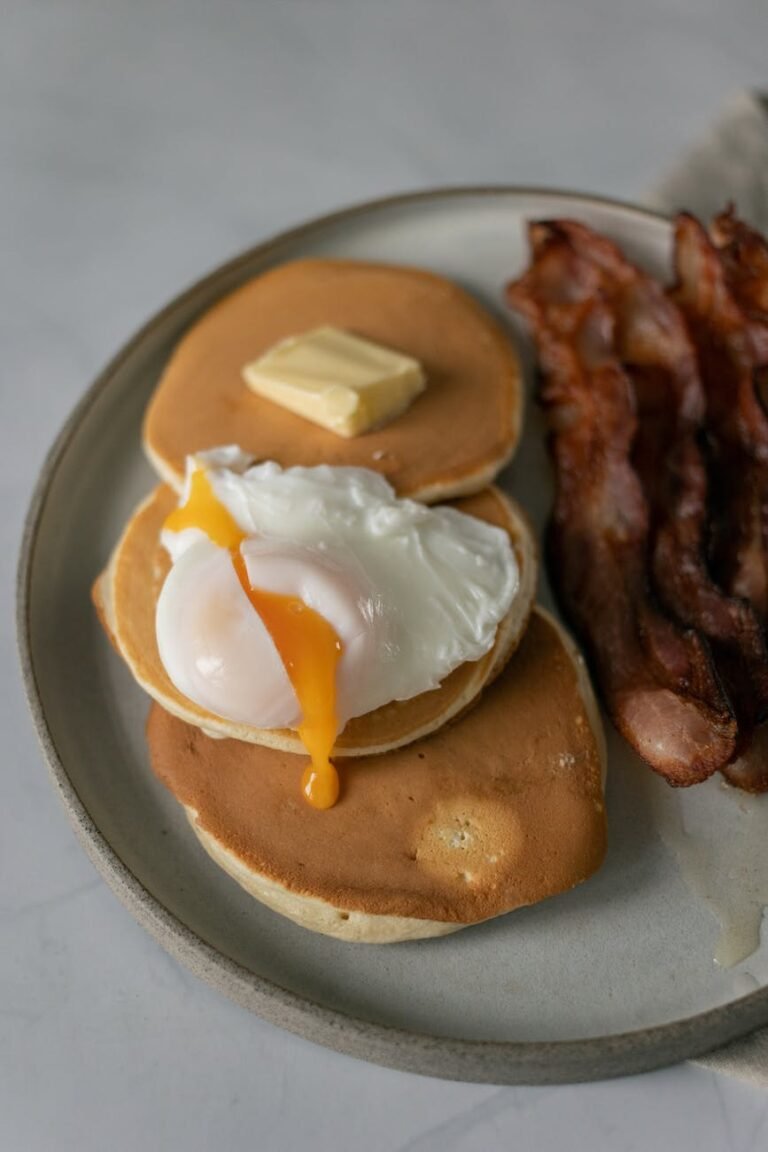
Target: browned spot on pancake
{"x":519,"y":776}
{"x":454,"y":437}
{"x":470,"y":839}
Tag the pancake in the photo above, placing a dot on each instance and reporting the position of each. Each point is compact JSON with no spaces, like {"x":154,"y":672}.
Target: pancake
{"x":126,"y":597}
{"x":486,"y":815}
{"x":452,"y":441}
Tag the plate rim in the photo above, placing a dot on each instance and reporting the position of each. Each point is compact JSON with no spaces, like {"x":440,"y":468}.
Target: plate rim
{"x":485,"y":1061}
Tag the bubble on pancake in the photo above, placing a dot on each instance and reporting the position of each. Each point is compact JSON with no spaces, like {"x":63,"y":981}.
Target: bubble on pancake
{"x":471,"y":839}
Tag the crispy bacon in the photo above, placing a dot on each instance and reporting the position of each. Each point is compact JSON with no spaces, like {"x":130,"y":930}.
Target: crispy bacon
{"x":743,"y":255}
{"x":723,"y":292}
{"x":737,"y":425}
{"x":744,"y":258}
{"x":656,"y":351}
{"x":656,"y":676}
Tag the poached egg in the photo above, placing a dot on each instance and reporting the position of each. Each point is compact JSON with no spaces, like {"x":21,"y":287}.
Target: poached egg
{"x":302,"y":597}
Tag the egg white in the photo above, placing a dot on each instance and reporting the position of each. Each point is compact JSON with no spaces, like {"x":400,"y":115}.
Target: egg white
{"x":412,"y":592}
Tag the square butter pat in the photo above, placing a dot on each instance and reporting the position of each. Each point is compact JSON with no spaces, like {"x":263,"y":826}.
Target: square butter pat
{"x":337,"y":380}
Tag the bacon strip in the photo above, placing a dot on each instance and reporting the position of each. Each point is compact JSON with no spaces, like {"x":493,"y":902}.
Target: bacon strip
{"x":736,"y":423}
{"x":743,"y":255}
{"x":744,"y":258}
{"x":723,"y":292}
{"x":657,"y":353}
{"x":657,"y":678}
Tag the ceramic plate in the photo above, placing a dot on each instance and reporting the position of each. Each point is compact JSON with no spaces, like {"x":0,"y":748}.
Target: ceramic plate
{"x":615,"y":977}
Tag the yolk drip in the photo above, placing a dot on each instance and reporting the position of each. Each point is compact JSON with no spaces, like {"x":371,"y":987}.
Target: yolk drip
{"x":202,"y":510}
{"x":310,"y":651}
{"x":307,"y":644}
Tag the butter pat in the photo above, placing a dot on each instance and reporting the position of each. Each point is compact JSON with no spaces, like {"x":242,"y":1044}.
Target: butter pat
{"x":337,"y":380}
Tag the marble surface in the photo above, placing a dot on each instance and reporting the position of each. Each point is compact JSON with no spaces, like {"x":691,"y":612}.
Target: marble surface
{"x":140,"y":144}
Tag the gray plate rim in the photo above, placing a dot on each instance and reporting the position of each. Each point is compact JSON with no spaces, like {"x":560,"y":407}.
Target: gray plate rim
{"x":492,"y":1062}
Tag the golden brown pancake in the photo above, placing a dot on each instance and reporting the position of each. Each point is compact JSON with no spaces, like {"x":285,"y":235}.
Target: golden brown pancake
{"x":452,"y":441}
{"x":126,"y":597}
{"x":499,"y":810}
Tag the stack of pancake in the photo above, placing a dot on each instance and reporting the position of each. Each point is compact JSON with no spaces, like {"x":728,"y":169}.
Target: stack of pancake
{"x":457,"y":805}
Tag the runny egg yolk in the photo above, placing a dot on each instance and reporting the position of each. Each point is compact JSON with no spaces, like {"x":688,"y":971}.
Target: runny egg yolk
{"x":306,"y":642}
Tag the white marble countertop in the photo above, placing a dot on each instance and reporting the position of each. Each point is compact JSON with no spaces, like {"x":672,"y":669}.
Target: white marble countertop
{"x":140,"y":144}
